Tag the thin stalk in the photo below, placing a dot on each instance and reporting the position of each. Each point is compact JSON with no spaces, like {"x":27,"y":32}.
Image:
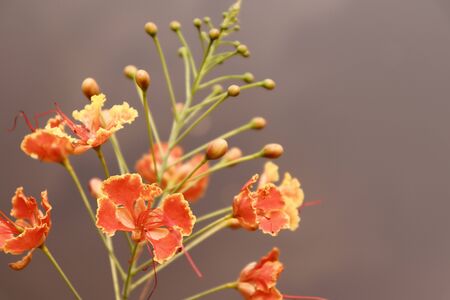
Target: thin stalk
{"x":187,"y":76}
{"x":60,"y":271}
{"x":166,"y":75}
{"x":221,"y":78}
{"x":229,"y":285}
{"x":203,"y":116}
{"x":190,"y":246}
{"x":189,"y":52}
{"x":86,"y":203}
{"x":220,"y":166}
{"x":225,"y":136}
{"x":214,"y":214}
{"x":123,"y":167}
{"x":180,"y":185}
{"x":109,"y":241}
{"x":126,"y":286}
{"x":208,"y":100}
{"x":207,"y":227}
{"x":149,"y":130}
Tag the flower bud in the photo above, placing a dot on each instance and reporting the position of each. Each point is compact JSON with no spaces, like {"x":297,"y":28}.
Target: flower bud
{"x":242,"y":49}
{"x":179,"y":107}
{"x":90,"y":88}
{"x":142,"y":79}
{"x":217,"y":89}
{"x":214,"y":34}
{"x":232,"y":154}
{"x":129,"y":71}
{"x":207,"y":20}
{"x":272,"y":151}
{"x":246,"y":54}
{"x":233,"y":90}
{"x":258,"y":123}
{"x":269,"y":84}
{"x":175,"y":26}
{"x":216,"y":149}
{"x":95,"y":187}
{"x":197,"y":22}
{"x":151,"y":28}
{"x":248,"y":77}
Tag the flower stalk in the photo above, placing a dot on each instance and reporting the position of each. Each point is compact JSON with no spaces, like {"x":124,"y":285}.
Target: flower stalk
{"x":225,"y":286}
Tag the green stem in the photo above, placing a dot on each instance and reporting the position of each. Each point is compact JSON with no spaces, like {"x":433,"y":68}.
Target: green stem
{"x":189,"y":52}
{"x":60,"y":271}
{"x":86,"y":203}
{"x":214,"y":214}
{"x":191,"y":245}
{"x":101,"y":157}
{"x":149,"y":130}
{"x":229,"y":285}
{"x":180,"y":185}
{"x":221,"y":78}
{"x":123,"y":167}
{"x":208,"y":227}
{"x":126,"y":286}
{"x":166,"y":75}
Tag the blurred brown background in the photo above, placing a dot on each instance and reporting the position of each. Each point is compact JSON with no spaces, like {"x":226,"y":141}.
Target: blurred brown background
{"x":361,"y":107}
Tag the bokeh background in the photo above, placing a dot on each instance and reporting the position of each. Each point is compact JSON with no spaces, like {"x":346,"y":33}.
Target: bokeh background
{"x":362,"y":108}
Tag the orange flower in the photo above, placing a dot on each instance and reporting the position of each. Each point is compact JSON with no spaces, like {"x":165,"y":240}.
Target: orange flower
{"x":30,"y":229}
{"x":269,"y":208}
{"x":257,"y":280}
{"x":53,"y":144}
{"x":175,"y":173}
{"x":125,"y":204}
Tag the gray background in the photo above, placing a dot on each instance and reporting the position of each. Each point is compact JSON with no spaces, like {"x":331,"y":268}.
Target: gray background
{"x":361,"y":107}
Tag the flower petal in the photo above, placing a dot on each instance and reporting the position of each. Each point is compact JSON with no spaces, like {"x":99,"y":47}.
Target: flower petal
{"x":123,"y":189}
{"x":269,"y":197}
{"x":6,"y":232}
{"x":166,"y":247}
{"x":244,"y":206}
{"x":121,"y":114}
{"x":176,"y":209}
{"x":291,"y":190}
{"x":24,"y":207}
{"x":22,"y":263}
{"x":273,"y":221}
{"x":30,"y":238}
{"x":270,"y":174}
{"x":107,"y":219}
{"x":90,"y":115}
{"x":46,"y":218}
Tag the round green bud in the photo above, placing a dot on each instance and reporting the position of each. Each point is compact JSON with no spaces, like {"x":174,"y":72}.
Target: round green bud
{"x":151,"y":28}
{"x":269,"y":84}
{"x":233,"y":90}
{"x":248,"y":77}
{"x":175,"y":26}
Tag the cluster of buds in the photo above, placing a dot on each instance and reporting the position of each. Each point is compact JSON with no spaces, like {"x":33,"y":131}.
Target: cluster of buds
{"x":154,"y":207}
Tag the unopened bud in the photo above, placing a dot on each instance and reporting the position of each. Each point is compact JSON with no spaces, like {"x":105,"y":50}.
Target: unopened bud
{"x":232,"y":154}
{"x":90,"y":87}
{"x":175,"y":26}
{"x":179,"y":107}
{"x":197,"y":22}
{"x":142,"y":79}
{"x":242,"y":49}
{"x":207,"y":20}
{"x":130,"y":71}
{"x":269,"y":84}
{"x":95,"y":187}
{"x":217,"y":89}
{"x":216,"y":149}
{"x":258,"y":123}
{"x":246,"y":54}
{"x":151,"y":28}
{"x":248,"y":77}
{"x":272,"y":151}
{"x":237,"y":28}
{"x":233,"y":90}
{"x":214,"y":34}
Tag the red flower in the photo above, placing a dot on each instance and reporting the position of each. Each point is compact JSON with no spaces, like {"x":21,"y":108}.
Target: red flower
{"x":125,"y":204}
{"x":269,"y":208}
{"x":30,"y":229}
{"x":53,"y":144}
{"x":257,"y":280}
{"x":176,"y":173}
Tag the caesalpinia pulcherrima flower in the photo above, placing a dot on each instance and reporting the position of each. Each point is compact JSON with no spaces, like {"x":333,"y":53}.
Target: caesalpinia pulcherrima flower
{"x":30,"y":229}
{"x":270,"y":208}
{"x":175,"y":173}
{"x":124,"y":204}
{"x":258,"y":280}
{"x":53,"y":144}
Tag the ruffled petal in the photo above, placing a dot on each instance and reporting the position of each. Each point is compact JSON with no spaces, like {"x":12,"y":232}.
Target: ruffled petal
{"x":107,"y":219}
{"x":269,"y":197}
{"x":291,"y":190}
{"x":270,"y":174}
{"x":90,"y":115}
{"x":49,"y":145}
{"x":24,"y":207}
{"x":165,"y":247}
{"x":30,"y":238}
{"x":46,"y":217}
{"x":121,"y":114}
{"x":244,"y":206}
{"x":23,"y":262}
{"x":6,"y":232}
{"x":176,"y":209}
{"x":123,"y":189}
{"x":273,"y":221}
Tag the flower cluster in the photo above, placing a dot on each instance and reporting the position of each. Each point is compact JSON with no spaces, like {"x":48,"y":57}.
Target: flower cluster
{"x":153,"y":208}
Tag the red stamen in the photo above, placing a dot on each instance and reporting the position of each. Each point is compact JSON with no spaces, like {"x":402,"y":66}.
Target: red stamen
{"x":9,"y":223}
{"x":311,"y":203}
{"x":154,"y":272}
{"x":191,"y":262}
{"x":27,"y":121}
{"x":303,"y":297}
{"x":40,"y":115}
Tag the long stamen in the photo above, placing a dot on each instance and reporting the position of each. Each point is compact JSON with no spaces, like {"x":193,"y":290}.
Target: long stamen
{"x":10,"y":223}
{"x":37,"y":116}
{"x":312,"y":203}
{"x":191,"y":262}
{"x":27,"y":121}
{"x":155,"y":284}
